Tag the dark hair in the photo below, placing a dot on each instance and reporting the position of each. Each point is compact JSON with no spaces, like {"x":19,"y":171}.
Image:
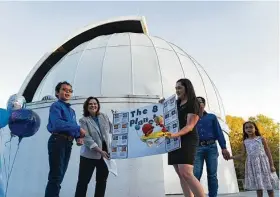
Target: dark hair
{"x":189,"y":92}
{"x":58,"y":86}
{"x":85,"y":107}
{"x":257,"y":132}
{"x":203,"y":99}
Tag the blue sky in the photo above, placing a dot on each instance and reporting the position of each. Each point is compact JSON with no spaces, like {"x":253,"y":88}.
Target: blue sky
{"x":236,"y":42}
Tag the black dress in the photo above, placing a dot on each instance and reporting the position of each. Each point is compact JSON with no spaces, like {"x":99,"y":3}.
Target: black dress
{"x":189,"y":142}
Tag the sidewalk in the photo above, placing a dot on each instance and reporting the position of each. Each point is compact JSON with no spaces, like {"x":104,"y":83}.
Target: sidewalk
{"x":241,"y":194}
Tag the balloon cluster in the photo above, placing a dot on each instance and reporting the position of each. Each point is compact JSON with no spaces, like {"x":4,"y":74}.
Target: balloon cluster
{"x":22,"y":122}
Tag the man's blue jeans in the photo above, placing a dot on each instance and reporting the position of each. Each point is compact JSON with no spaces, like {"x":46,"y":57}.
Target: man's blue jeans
{"x":59,"y":149}
{"x":209,"y":154}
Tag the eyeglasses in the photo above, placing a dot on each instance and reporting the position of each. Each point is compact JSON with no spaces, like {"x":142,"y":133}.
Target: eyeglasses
{"x":67,"y":90}
{"x":200,"y":101}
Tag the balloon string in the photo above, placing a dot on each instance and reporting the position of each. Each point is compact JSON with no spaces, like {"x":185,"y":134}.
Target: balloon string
{"x":1,"y":167}
{"x":10,"y":149}
{"x":2,"y":150}
{"x":12,"y":168}
{"x":8,"y":141}
{"x":5,"y":165}
{"x":2,"y":155}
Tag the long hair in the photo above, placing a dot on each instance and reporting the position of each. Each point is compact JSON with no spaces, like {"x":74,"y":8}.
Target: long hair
{"x":189,"y":92}
{"x":257,"y":132}
{"x":85,"y":107}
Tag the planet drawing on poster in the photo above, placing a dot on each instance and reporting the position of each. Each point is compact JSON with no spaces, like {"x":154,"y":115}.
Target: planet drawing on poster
{"x":153,"y":132}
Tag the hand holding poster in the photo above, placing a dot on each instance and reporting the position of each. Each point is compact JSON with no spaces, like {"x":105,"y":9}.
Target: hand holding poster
{"x":142,"y":131}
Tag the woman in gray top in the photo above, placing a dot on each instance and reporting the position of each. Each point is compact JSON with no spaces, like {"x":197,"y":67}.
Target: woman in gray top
{"x":96,"y":145}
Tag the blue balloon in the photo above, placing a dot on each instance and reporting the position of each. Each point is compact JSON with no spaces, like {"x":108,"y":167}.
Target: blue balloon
{"x":24,"y":123}
{"x":137,"y":127}
{"x":4,"y":117}
{"x":16,"y":102}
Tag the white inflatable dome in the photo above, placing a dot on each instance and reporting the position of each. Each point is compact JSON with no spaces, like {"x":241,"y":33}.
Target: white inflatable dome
{"x":124,"y":64}
{"x":119,"y":62}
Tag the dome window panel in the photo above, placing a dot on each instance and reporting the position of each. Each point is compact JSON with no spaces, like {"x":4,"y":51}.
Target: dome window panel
{"x":171,"y":70}
{"x":116,"y":72}
{"x":119,"y":40}
{"x":146,"y":71}
{"x":99,"y":42}
{"x":89,"y":73}
{"x":140,"y":40}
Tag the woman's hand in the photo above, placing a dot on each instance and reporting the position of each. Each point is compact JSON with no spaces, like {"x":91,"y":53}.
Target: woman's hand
{"x":105,"y":155}
{"x":172,"y":135}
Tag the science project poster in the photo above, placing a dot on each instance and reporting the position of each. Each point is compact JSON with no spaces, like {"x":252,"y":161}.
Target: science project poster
{"x":141,"y":131}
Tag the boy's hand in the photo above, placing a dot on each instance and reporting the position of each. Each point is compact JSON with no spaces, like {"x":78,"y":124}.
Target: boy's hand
{"x":80,"y":141}
{"x":82,"y":132}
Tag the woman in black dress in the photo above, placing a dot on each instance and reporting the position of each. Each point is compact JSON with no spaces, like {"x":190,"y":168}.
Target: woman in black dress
{"x":182,"y":159}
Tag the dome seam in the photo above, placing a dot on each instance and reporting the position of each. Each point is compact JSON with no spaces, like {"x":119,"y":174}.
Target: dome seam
{"x":177,"y":57}
{"x":131,"y":60}
{"x":213,"y":84}
{"x":198,"y":73}
{"x":157,"y":63}
{"x":102,"y":65}
{"x":78,"y":63}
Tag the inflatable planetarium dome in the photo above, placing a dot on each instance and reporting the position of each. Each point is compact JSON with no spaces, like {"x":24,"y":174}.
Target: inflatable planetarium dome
{"x":119,"y":62}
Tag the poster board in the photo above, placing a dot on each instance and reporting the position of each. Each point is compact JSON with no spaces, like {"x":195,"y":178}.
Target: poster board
{"x":142,"y":131}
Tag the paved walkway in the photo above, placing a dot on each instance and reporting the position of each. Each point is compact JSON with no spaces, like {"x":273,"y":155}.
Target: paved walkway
{"x":241,"y":194}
